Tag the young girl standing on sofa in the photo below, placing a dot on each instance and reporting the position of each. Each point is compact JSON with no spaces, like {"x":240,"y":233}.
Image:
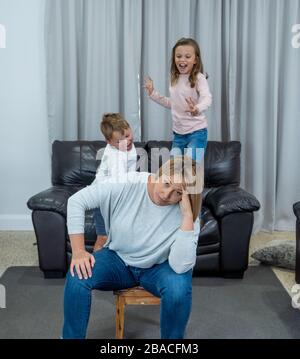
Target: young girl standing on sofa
{"x":189,"y":98}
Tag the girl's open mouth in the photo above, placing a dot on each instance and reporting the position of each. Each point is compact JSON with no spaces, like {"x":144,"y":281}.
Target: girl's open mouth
{"x":182,"y":66}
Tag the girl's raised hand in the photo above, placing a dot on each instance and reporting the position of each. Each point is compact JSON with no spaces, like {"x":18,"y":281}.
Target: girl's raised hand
{"x":148,"y":85}
{"x":192,"y":107}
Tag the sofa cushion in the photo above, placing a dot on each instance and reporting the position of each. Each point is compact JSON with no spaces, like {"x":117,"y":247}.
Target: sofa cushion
{"x":296,"y":208}
{"x":209,"y":234}
{"x":279,"y":252}
{"x":53,"y":199}
{"x":74,"y":163}
{"x":222,"y":163}
{"x":158,"y":153}
{"x":230,"y":199}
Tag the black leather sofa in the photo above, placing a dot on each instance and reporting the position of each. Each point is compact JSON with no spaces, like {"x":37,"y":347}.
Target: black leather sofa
{"x":296,"y":208}
{"x":227,"y":212}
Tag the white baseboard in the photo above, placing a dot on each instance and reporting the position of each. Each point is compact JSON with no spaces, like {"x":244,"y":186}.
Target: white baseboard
{"x":15,"y":222}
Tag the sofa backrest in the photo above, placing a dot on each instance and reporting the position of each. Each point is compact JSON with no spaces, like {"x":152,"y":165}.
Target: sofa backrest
{"x":221,"y":161}
{"x":74,"y":162}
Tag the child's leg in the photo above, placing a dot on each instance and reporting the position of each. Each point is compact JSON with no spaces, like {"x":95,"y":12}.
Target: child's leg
{"x":101,"y":240}
{"x":178,"y":145}
{"x":100,"y":230}
{"x":197,"y":143}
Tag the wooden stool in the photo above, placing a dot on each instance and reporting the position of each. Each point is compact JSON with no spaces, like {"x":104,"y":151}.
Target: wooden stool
{"x":135,"y":296}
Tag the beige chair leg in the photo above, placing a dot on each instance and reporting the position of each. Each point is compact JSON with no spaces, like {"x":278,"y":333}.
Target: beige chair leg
{"x":120,"y":305}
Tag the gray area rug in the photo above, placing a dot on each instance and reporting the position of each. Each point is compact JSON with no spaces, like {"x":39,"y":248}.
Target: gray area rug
{"x":254,"y":307}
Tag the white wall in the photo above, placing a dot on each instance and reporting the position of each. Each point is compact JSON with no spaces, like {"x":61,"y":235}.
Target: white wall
{"x":24,"y":147}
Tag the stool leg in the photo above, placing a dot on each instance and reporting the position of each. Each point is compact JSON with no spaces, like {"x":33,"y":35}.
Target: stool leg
{"x":120,"y":304}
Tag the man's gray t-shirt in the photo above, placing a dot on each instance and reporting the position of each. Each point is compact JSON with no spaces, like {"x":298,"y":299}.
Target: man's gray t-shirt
{"x":139,"y":231}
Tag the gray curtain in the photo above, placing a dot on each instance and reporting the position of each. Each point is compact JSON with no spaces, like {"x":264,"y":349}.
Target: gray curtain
{"x":99,"y":51}
{"x":204,"y":21}
{"x":263,"y":108}
{"x":93,"y":65}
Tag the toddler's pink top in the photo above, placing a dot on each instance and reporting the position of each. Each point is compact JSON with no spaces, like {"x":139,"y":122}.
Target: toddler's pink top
{"x":184,"y":122}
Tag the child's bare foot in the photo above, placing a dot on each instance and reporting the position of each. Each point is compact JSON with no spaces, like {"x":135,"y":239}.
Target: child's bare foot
{"x":99,"y":243}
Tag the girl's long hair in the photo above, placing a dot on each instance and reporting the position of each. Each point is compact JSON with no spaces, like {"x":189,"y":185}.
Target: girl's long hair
{"x":198,"y":67}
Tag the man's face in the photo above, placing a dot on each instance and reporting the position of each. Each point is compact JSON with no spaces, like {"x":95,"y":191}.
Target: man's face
{"x":122,"y":142}
{"x":167,"y":190}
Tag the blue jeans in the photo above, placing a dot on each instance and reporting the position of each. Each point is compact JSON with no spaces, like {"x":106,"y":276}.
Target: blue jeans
{"x":192,"y":144}
{"x":110,"y":273}
{"x":99,"y":222}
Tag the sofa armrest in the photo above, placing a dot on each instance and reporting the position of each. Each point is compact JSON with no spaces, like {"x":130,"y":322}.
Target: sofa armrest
{"x":230,"y":199}
{"x":53,"y":199}
{"x":296,"y":208}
